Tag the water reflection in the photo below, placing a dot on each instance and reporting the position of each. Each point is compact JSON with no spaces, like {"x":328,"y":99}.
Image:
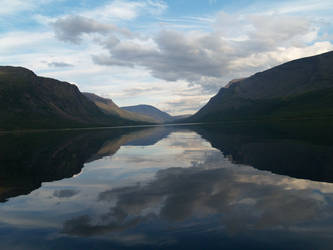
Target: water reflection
{"x":301,"y":150}
{"x":244,"y":198}
{"x":27,"y":160}
{"x":166,"y":188}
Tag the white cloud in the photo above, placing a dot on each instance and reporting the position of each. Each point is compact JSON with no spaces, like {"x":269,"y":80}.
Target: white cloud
{"x":16,"y":41}
{"x":14,"y":6}
{"x":302,"y":6}
{"x":278,"y":56}
{"x":181,"y":105}
{"x":126,"y":10}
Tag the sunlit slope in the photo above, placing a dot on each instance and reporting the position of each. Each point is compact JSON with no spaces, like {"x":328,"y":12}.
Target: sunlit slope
{"x":109,"y":107}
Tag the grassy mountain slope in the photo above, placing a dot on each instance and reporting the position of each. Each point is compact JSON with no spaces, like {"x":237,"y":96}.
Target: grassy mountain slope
{"x":109,"y":107}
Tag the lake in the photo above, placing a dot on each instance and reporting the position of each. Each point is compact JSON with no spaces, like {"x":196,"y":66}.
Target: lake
{"x":228,"y":186}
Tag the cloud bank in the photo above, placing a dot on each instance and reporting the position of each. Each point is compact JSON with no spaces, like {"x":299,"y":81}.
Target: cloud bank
{"x":234,"y":46}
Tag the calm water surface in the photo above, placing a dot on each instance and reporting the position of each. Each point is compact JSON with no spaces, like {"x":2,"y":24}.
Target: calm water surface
{"x":167,"y":188}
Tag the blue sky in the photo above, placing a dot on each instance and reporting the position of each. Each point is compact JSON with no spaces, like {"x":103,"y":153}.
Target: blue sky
{"x":171,"y":54}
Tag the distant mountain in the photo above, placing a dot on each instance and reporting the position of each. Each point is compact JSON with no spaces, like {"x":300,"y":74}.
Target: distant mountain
{"x":177,"y":117}
{"x":299,"y":89}
{"x":29,"y":101}
{"x":151,"y":111}
{"x":109,"y":107}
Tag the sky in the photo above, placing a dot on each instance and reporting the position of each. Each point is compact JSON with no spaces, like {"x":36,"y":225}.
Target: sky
{"x":173,"y":54}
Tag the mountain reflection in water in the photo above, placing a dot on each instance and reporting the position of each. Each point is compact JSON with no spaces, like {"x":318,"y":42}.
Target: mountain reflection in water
{"x":168,"y":188}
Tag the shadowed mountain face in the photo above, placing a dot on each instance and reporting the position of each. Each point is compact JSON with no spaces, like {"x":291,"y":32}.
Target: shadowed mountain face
{"x":150,"y":111}
{"x":110,"y":108}
{"x":298,"y":89}
{"x":30,"y":101}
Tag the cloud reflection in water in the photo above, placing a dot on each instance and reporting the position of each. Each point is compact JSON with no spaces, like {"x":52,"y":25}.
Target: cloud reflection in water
{"x":242,"y":197}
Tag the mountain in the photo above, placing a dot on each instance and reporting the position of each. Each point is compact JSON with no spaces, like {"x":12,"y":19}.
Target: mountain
{"x":178,"y":117}
{"x":29,"y":101}
{"x":151,"y":111}
{"x":300,"y":89}
{"x":110,"y":108}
